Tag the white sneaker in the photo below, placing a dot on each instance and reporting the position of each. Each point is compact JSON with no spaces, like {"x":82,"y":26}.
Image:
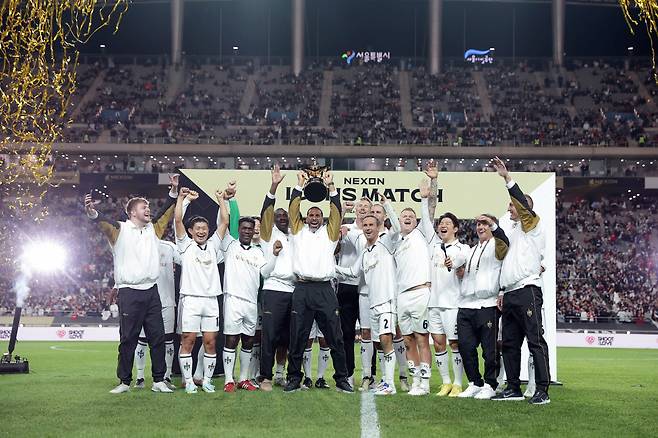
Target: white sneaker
{"x":160,"y":387}
{"x":190,"y":388}
{"x":208,"y":387}
{"x":471,"y":391}
{"x":485,"y":393}
{"x":529,"y":391}
{"x":121,"y":388}
{"x":386,"y":389}
{"x":418,"y":390}
{"x":169,"y":384}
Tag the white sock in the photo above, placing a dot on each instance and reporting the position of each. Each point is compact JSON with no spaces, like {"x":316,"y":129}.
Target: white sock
{"x":279,"y":370}
{"x":198,"y":371}
{"x":323,"y":361}
{"x":414,"y":372}
{"x":209,"y":362}
{"x":531,"y":374}
{"x":441,"y":360}
{"x":501,"y":373}
{"x":169,"y":358}
{"x":308,"y":354}
{"x":366,"y":357}
{"x":380,"y":361}
{"x":245,"y":358}
{"x":401,"y":356}
{"x":254,"y":365}
{"x":185,"y":362}
{"x":140,"y":359}
{"x":388,"y":367}
{"x":228,"y":355}
{"x":425,"y":374}
{"x":457,"y":368}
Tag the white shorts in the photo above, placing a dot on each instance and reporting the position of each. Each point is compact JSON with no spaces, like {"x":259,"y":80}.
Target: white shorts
{"x":443,"y":322}
{"x":382,"y":320}
{"x":240,"y":316}
{"x":412,"y":311}
{"x":199,"y":314}
{"x":167,"y":318}
{"x":364,"y":311}
{"x":315,"y":331}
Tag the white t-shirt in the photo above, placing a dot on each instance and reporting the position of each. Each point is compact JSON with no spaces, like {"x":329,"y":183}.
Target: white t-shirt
{"x":349,"y":250}
{"x":200,"y":274}
{"x":166,"y":283}
{"x":412,"y":258}
{"x":242,"y":268}
{"x":446,"y":285}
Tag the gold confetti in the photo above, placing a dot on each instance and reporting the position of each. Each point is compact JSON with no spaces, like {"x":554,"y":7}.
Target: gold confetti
{"x":637,"y":12}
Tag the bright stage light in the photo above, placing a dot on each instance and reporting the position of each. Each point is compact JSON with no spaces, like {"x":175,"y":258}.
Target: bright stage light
{"x":44,"y":257}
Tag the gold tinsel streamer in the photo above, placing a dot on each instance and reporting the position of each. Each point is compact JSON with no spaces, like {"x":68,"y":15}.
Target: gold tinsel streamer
{"x":645,"y":12}
{"x":39,"y":56}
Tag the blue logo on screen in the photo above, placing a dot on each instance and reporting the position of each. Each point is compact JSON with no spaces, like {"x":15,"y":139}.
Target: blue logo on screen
{"x":478,"y":56}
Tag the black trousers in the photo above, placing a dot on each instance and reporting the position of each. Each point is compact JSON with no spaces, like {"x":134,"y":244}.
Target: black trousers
{"x":348,"y":300}
{"x":522,"y":318}
{"x":315,"y":300}
{"x":137,"y":309}
{"x":277,"y":306}
{"x":479,"y":327}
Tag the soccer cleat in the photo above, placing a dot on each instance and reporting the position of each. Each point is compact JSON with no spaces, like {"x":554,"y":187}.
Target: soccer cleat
{"x":417,"y":390}
{"x":139,"y":384}
{"x":455,"y":391}
{"x":247,"y":386}
{"x":229,"y":387}
{"x":485,"y":393}
{"x":293,"y":385}
{"x":379,"y":386}
{"x":470,"y":391}
{"x":279,"y":381}
{"x":540,"y":398}
{"x":509,"y":395}
{"x":307,"y":384}
{"x":321,"y":383}
{"x":343,"y":385}
{"x":121,"y":388}
{"x":386,"y":389}
{"x":266,"y":385}
{"x":190,"y":388}
{"x":208,"y":387}
{"x":445,"y":390}
{"x":404,"y":384}
{"x":170,"y":385}
{"x":530,"y":391}
{"x":366,"y":383}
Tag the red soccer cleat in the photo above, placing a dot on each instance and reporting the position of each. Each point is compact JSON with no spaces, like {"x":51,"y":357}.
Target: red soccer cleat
{"x":247,"y":385}
{"x":229,"y":387}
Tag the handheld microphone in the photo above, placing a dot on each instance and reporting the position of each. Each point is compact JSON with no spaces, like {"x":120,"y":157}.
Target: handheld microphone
{"x":445,"y":253}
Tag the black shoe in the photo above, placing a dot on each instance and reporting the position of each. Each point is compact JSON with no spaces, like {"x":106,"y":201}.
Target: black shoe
{"x":321,"y":384}
{"x":509,"y":395}
{"x":292,"y":386}
{"x":343,"y":385}
{"x":308,"y":383}
{"x":540,"y":398}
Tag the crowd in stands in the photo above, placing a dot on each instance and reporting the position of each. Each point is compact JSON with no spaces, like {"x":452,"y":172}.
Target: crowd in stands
{"x":588,"y":103}
{"x":607,"y":261}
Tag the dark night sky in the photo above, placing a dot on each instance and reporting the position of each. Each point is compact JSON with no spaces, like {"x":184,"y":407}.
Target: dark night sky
{"x":398,"y":26}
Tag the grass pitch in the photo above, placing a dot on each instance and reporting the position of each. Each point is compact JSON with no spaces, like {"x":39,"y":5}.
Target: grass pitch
{"x":606,"y":392}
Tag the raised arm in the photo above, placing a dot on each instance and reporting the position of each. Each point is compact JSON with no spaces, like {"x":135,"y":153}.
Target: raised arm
{"x":267,"y":212}
{"x":222,"y":197}
{"x":294,"y":211}
{"x":528,"y":218}
{"x":163,"y":217}
{"x":335,"y":214}
{"x":185,"y":196}
{"x":390,"y":212}
{"x":110,"y":228}
{"x":426,"y":225}
{"x":432,"y":172}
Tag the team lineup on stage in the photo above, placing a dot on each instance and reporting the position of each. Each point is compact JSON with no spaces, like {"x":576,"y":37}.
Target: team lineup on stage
{"x":291,"y":278}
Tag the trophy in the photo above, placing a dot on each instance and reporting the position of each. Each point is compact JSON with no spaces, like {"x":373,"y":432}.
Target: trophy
{"x":315,"y":190}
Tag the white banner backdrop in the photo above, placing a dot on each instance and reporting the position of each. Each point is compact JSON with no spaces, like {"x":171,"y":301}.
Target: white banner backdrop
{"x":607,"y":340}
{"x":62,"y":333}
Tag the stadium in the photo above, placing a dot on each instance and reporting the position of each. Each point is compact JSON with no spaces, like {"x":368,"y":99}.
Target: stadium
{"x":381,"y":101}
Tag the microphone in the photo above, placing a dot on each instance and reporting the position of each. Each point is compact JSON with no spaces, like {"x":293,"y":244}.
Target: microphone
{"x":445,"y":253}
